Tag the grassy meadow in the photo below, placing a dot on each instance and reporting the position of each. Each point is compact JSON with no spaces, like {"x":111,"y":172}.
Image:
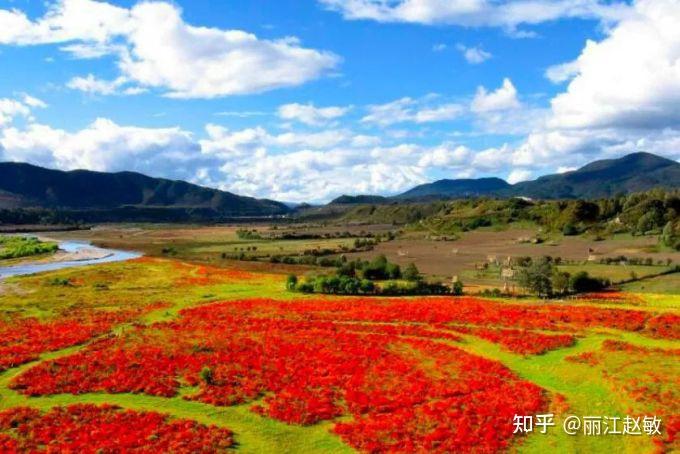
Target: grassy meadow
{"x":620,"y":357}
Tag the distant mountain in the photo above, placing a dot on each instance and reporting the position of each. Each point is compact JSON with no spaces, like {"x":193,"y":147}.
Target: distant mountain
{"x":28,"y":186}
{"x":455,"y":189}
{"x":631,"y":173}
{"x":359,"y":199}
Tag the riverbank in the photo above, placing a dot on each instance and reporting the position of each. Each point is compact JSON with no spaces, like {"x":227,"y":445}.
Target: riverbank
{"x":71,"y":254}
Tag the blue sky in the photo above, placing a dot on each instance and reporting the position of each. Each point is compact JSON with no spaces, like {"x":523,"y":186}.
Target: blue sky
{"x":305,"y":100}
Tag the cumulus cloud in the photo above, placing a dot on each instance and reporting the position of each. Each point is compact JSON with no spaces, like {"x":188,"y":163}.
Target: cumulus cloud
{"x":311,"y":115}
{"x":619,"y":96}
{"x":503,"y":98}
{"x":13,"y":108}
{"x":622,"y":95}
{"x":292,"y":166}
{"x":508,"y":14}
{"x":447,"y":155}
{"x":411,"y":110}
{"x":630,"y":79}
{"x":474,"y":55}
{"x":105,"y":146}
{"x":155,"y":48}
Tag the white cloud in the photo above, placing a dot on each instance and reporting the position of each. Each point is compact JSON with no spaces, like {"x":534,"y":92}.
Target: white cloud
{"x":91,"y":50}
{"x":476,"y":13}
{"x":444,"y":112}
{"x":411,"y":110}
{"x":446,"y":156}
{"x":503,"y":98}
{"x":91,"y":85}
{"x":105,"y":146}
{"x":630,"y":79}
{"x":474,"y":55}
{"x":155,"y":48}
{"x":13,"y":108}
{"x":240,"y":114}
{"x":622,"y":96}
{"x":518,"y":175}
{"x":311,"y":115}
{"x":562,"y":72}
{"x":439,"y":47}
{"x":295,"y":166}
{"x":318,"y":140}
{"x":390,"y":113}
{"x":66,"y":20}
{"x":34,"y":102}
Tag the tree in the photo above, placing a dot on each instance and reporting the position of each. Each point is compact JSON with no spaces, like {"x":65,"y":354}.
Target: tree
{"x":411,"y":272}
{"x":671,"y":235}
{"x":291,"y":282}
{"x":392,"y":271}
{"x":560,"y":282}
{"x":537,"y":277}
{"x":457,"y":288}
{"x":376,"y":269}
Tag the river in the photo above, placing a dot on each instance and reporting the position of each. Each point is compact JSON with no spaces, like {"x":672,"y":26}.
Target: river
{"x":71,"y":247}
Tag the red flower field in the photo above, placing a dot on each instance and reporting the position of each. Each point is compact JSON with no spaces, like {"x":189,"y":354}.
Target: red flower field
{"x":23,"y":340}
{"x":395,"y":375}
{"x":92,"y":429}
{"x":407,"y":387}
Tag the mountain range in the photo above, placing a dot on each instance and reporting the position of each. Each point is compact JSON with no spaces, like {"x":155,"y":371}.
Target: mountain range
{"x":29,"y":186}
{"x":605,"y":178}
{"x":127,"y":194}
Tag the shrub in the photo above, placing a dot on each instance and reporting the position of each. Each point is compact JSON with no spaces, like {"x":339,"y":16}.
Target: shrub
{"x":569,"y":230}
{"x":207,"y":375}
{"x":583,"y":282}
{"x":59,"y":282}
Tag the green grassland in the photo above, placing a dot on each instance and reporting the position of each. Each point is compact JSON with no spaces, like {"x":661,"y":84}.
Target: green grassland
{"x":614,"y":272}
{"x":15,"y":247}
{"x":139,"y":282}
{"x":667,"y":284}
{"x":220,"y":245}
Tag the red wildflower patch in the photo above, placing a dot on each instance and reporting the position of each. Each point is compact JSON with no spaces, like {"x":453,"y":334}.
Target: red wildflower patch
{"x":89,"y":428}
{"x":23,"y":340}
{"x":467,"y":310}
{"x":608,"y":296}
{"x":389,"y":364}
{"x":664,"y":326}
{"x":407,"y":389}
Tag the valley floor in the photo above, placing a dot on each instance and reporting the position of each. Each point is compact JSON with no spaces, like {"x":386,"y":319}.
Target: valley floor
{"x":227,"y":359}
